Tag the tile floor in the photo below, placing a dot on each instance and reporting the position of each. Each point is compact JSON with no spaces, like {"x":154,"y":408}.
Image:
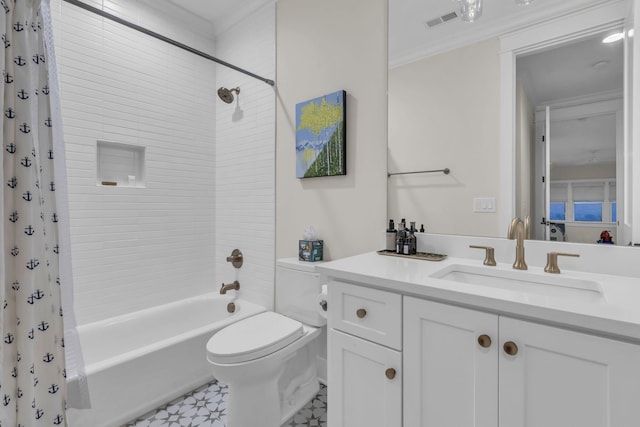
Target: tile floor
{"x":206,"y":407}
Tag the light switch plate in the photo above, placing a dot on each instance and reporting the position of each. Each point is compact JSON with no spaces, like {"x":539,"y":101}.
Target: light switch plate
{"x":484,"y":204}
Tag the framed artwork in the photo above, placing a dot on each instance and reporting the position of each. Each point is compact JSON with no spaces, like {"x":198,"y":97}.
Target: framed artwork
{"x":321,"y":146}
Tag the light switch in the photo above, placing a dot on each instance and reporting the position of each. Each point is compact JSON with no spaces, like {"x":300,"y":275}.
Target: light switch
{"x":484,"y":204}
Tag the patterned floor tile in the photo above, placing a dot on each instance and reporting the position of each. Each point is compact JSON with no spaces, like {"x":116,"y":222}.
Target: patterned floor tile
{"x":207,"y":407}
{"x":313,"y":414}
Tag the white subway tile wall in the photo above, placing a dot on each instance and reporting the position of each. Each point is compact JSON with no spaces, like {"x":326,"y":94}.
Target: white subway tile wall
{"x":138,"y":247}
{"x":245,"y":157}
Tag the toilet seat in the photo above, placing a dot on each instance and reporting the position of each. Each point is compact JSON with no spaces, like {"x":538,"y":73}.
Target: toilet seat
{"x":253,"y":337}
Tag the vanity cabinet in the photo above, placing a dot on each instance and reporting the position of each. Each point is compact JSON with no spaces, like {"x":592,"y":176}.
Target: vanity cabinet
{"x":396,"y":360}
{"x":364,"y":357}
{"x":465,"y":367}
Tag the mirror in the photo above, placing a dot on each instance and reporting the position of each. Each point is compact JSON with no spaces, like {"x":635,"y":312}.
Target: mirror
{"x":446,"y":109}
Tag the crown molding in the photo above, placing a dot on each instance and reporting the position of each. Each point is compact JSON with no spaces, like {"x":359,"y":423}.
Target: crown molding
{"x":489,"y":28}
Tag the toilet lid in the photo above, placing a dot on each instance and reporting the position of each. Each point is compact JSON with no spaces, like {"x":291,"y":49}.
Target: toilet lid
{"x":253,"y":337}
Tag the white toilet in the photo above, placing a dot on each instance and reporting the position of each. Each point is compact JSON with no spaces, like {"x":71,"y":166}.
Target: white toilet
{"x":269,"y":360}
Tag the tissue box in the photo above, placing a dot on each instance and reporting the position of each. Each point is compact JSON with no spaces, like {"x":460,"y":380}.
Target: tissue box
{"x":310,"y":250}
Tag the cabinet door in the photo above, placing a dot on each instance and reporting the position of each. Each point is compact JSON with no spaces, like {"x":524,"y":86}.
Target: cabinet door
{"x":362,"y":394}
{"x":451,"y":379}
{"x":561,"y":378}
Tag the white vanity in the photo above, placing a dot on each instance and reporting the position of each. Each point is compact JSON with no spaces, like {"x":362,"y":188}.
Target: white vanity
{"x":455,"y":343}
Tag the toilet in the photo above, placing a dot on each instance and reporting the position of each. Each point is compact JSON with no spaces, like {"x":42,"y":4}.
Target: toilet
{"x":269,"y":360}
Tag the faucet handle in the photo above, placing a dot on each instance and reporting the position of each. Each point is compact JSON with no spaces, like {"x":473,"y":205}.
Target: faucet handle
{"x":552,"y":261}
{"x":236,"y":259}
{"x":489,"y":254}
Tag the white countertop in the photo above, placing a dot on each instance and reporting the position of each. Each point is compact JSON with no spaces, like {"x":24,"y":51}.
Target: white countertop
{"x":614,"y":311}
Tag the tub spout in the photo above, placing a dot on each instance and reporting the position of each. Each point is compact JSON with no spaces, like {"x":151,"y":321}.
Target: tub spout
{"x":231,"y":286}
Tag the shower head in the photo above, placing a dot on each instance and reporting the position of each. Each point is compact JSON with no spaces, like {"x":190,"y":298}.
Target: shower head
{"x":227,"y":94}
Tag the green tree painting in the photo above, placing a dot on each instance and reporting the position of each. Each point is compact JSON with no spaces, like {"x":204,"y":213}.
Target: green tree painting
{"x":321,"y":136}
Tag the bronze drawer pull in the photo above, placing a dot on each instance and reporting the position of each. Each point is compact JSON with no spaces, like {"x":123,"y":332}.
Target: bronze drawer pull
{"x":361,"y":312}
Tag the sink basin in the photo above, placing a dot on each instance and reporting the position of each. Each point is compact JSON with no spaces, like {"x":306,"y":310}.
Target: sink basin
{"x":521,"y":281}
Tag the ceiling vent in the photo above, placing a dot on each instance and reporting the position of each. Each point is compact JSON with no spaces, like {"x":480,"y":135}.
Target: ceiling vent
{"x":441,"y":19}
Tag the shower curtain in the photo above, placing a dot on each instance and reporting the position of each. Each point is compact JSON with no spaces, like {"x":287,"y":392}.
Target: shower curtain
{"x":37,"y":323}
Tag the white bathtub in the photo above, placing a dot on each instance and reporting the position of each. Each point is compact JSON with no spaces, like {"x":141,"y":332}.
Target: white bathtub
{"x":137,"y":362}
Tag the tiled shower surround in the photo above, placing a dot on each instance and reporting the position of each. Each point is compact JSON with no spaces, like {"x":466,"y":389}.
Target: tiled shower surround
{"x":209,"y":166}
{"x":207,"y":407}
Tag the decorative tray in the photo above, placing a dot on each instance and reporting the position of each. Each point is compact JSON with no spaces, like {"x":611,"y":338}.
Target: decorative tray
{"x":427,"y":256}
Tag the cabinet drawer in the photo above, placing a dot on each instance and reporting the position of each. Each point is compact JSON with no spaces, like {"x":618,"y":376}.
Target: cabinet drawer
{"x":368,"y":313}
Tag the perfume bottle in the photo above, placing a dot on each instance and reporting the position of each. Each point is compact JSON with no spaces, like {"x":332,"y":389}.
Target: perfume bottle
{"x":401,"y":237}
{"x":412,"y":240}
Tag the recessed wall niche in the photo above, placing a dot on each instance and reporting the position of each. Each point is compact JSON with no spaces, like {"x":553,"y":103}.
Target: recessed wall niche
{"x":120,"y":165}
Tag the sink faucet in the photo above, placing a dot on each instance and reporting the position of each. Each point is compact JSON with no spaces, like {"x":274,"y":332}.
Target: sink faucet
{"x":517,"y":231}
{"x":231,"y":286}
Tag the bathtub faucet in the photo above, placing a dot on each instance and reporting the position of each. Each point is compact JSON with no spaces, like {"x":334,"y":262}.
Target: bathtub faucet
{"x":236,"y":258}
{"x":231,"y":286}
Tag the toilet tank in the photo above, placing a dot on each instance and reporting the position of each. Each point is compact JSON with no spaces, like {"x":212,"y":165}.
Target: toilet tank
{"x":297,"y":289}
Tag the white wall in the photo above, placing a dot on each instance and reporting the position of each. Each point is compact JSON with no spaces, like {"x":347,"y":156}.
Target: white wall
{"x":245,"y":158}
{"x":444,"y":113}
{"x":324,"y":46}
{"x":137,"y":247}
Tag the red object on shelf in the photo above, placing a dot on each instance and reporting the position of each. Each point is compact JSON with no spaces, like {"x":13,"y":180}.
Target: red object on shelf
{"x":605,"y":237}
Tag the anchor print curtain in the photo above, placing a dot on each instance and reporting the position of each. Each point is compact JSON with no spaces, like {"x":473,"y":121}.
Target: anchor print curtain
{"x":32,"y":347}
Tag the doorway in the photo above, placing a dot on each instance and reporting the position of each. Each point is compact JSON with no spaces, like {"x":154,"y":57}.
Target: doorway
{"x":569,"y":139}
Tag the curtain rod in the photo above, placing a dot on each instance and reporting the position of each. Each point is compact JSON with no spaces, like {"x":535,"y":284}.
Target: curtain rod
{"x":165,"y":39}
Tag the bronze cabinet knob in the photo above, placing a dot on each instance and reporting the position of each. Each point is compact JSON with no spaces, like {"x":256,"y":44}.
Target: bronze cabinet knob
{"x":361,"y":312}
{"x":510,"y":348}
{"x":484,"y":341}
{"x":390,"y":373}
